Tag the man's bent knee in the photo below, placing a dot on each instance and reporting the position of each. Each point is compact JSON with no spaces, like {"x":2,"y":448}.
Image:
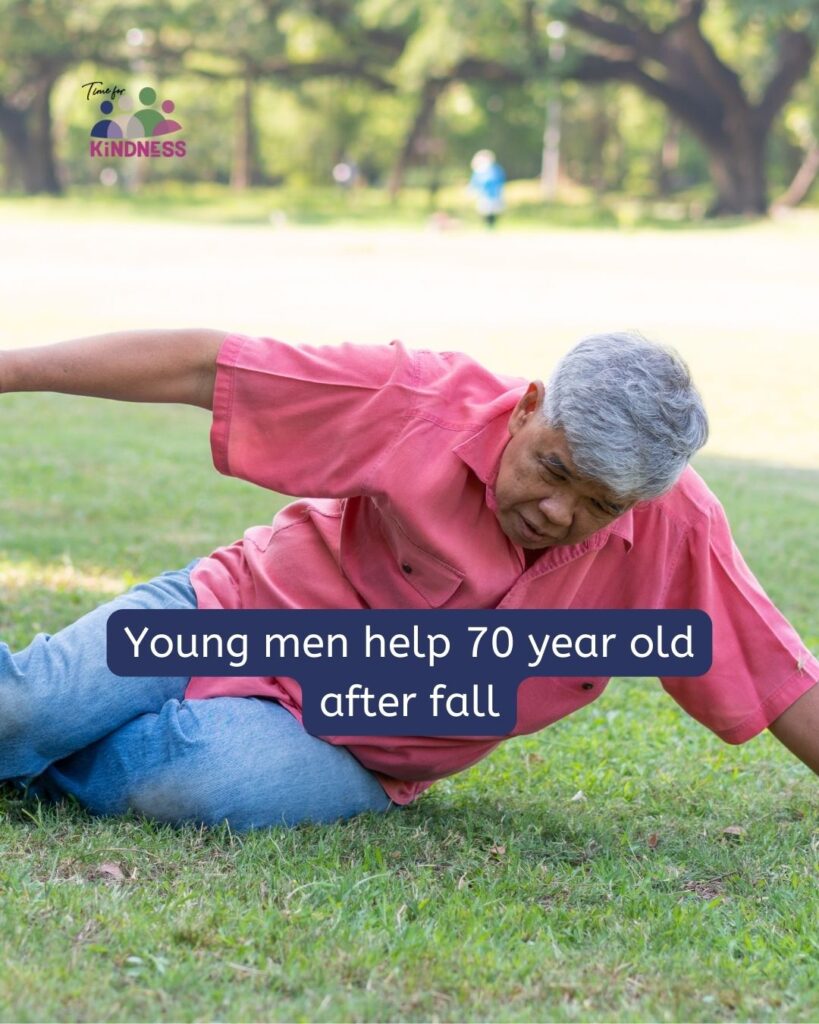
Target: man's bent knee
{"x":168,"y":801}
{"x":172,"y":801}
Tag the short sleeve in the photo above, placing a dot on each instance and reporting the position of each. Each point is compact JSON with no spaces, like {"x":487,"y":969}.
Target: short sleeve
{"x":760,"y":665}
{"x":308,"y":420}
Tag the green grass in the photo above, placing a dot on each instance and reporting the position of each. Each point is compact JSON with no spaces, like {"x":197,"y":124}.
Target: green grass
{"x":500,"y":895}
{"x":200,"y":202}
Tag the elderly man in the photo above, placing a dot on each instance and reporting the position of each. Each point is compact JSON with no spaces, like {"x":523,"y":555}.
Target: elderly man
{"x":441,"y":485}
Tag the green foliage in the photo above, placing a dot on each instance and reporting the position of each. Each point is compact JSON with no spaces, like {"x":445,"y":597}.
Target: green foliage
{"x":343,"y":80}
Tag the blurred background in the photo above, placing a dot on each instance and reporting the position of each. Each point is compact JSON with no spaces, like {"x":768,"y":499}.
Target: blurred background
{"x":676,"y":108}
{"x":659,"y":172}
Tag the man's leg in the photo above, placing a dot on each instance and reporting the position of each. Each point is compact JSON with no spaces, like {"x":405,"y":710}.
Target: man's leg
{"x":58,"y":694}
{"x":244,"y":760}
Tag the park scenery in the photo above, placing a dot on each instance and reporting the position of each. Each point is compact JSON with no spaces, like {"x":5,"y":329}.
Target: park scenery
{"x":501,"y":178}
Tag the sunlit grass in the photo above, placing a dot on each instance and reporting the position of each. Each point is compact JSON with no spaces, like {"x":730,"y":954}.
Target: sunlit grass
{"x":584,"y":873}
{"x":449,"y":206}
{"x":18,"y":577}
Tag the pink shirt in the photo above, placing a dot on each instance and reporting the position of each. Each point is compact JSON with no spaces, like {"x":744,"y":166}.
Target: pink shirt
{"x":403,"y":448}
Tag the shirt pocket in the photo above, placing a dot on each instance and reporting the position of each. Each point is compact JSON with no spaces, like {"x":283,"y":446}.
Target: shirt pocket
{"x":429,"y":576}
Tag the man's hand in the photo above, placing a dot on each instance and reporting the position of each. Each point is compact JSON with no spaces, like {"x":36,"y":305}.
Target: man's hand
{"x":798,"y":728}
{"x":132,"y":366}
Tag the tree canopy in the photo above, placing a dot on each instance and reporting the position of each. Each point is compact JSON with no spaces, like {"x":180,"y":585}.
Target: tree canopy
{"x":657,"y":93}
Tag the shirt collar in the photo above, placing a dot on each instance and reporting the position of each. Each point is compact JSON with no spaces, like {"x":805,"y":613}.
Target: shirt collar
{"x":623,"y":527}
{"x":482,"y":453}
{"x":482,"y":450}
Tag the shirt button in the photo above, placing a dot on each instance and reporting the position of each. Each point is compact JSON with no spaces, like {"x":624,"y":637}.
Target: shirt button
{"x":406,"y":567}
{"x":587,"y":686}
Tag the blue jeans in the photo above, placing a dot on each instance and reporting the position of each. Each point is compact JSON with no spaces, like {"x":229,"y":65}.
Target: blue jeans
{"x":69,"y":726}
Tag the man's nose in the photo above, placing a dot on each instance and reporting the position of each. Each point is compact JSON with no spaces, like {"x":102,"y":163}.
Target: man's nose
{"x":558,"y":508}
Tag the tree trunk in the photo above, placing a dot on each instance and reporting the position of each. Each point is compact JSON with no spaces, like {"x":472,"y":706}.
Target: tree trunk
{"x":15,"y":143}
{"x":43,"y":144}
{"x":679,"y":67}
{"x":735,"y":138}
{"x":29,"y":144}
{"x":668,"y":159}
{"x":736,"y":157}
{"x":741,"y":183}
{"x":243,"y":167}
{"x":550,"y":154}
{"x":803,"y":179}
{"x":601,"y":129}
{"x":423,"y":116}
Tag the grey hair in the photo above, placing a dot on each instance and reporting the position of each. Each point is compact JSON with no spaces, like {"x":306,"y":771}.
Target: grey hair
{"x":629,"y":412}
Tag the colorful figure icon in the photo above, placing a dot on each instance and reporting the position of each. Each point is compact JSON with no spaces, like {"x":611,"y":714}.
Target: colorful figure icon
{"x":148,"y":122}
{"x":144,"y":123}
{"x":107,"y":128}
{"x":167,"y":125}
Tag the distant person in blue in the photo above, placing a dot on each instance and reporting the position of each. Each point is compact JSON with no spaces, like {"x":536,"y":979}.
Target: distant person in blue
{"x":488,"y":179}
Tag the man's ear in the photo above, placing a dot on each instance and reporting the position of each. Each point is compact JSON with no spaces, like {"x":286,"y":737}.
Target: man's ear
{"x":528,"y":403}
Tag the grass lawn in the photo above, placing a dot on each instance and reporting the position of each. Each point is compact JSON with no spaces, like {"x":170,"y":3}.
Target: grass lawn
{"x":581,"y":874}
{"x":329,"y":206}
{"x":202,"y":202}
{"x":584,"y":873}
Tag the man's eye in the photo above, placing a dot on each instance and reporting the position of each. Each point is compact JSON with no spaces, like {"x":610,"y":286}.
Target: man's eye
{"x":551,"y":474}
{"x":602,"y":509}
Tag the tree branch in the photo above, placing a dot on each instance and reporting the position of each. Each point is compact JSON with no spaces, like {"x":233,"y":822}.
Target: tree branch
{"x":796,"y":53}
{"x":723,"y":80}
{"x":537,"y":55}
{"x":322,"y":69}
{"x":471,"y":68}
{"x":432,"y":89}
{"x":702,"y":120}
{"x":285,"y":69}
{"x":803,"y":179}
{"x":609,"y":31}
{"x":637,"y":38}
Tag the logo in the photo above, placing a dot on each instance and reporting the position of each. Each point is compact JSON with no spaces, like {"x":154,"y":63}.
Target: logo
{"x":128,"y":132}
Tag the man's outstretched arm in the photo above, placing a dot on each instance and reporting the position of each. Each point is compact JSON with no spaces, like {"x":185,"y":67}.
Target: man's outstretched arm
{"x":131,"y":366}
{"x":798,"y":728}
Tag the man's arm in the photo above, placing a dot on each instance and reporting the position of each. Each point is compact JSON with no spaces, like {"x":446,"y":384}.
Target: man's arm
{"x":131,"y":366}
{"x":798,"y":728}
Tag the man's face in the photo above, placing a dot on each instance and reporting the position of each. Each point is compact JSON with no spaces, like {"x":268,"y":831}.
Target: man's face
{"x":542,"y":501}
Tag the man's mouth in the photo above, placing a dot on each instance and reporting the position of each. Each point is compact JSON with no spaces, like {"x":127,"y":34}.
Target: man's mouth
{"x":533,"y":535}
